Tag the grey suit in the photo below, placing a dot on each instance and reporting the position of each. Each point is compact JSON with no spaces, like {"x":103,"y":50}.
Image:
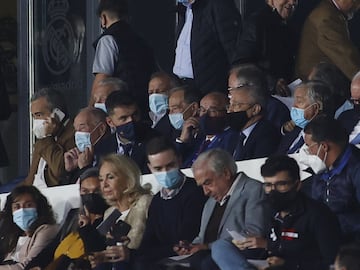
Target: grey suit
{"x":246,"y":211}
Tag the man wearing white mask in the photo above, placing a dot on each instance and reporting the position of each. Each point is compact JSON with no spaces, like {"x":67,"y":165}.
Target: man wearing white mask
{"x":55,"y":135}
{"x":175,"y":212}
{"x":337,"y":172}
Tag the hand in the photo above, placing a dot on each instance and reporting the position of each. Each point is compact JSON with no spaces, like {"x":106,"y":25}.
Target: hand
{"x":116,"y":253}
{"x":96,"y":258}
{"x":251,"y":242}
{"x":282,"y":89}
{"x":52,"y":125}
{"x":84,"y":218}
{"x":189,"y":126}
{"x":275,"y":261}
{"x":288,"y":126}
{"x":71,"y":158}
{"x":86,"y":158}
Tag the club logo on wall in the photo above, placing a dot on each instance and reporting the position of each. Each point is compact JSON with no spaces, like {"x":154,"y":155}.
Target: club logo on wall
{"x":58,"y":44}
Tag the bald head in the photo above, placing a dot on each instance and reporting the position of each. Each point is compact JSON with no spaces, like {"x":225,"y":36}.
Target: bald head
{"x":88,"y":118}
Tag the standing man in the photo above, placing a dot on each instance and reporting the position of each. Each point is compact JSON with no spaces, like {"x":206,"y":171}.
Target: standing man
{"x":207,"y":43}
{"x":120,"y":52}
{"x":325,"y":38}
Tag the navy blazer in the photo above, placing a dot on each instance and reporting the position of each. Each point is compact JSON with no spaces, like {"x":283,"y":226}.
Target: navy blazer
{"x":349,"y":119}
{"x":287,"y":140}
{"x":277,"y":112}
{"x":262,"y":142}
{"x":165,"y":128}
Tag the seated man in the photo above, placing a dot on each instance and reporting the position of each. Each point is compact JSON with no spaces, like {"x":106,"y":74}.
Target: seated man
{"x":183,"y":104}
{"x":104,"y":88}
{"x":175,"y":212}
{"x":235,"y":203}
{"x":304,"y":233}
{"x":90,"y":126}
{"x":159,"y":85}
{"x":337,"y":168}
{"x":55,"y":135}
{"x":310,"y":99}
{"x":131,"y":134}
{"x":210,"y":128}
{"x":257,"y":136}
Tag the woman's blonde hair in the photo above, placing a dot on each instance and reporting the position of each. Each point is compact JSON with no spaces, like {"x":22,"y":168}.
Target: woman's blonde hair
{"x":125,"y":166}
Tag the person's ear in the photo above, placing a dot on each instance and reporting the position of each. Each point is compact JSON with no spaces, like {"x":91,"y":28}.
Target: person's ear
{"x":103,"y":20}
{"x":110,"y":122}
{"x":256,"y":109}
{"x":195,"y":106}
{"x":325,"y":146}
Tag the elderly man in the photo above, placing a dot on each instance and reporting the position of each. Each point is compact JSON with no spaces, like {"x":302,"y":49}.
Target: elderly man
{"x":337,"y":168}
{"x":325,"y":38}
{"x":90,"y":126}
{"x":55,"y":135}
{"x":310,"y":99}
{"x":304,"y":233}
{"x":258,"y":137}
{"x":235,"y":204}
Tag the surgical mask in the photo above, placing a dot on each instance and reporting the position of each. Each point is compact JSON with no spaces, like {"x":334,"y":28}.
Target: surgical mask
{"x":313,"y":161}
{"x":126,"y":131}
{"x":281,"y":201}
{"x":298,"y":116}
{"x":176,"y":120}
{"x":94,"y":203}
{"x":237,"y":120}
{"x":82,"y":140}
{"x":100,"y":106}
{"x":39,"y":128}
{"x":169,"y":179}
{"x":158,"y":103}
{"x":212,"y":125}
{"x":25,"y":217}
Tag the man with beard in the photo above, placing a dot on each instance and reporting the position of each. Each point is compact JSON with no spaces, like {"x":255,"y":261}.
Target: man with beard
{"x":304,"y":233}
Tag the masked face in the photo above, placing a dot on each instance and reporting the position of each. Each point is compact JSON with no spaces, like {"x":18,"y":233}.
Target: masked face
{"x":158,"y":103}
{"x":313,"y":161}
{"x":212,"y":125}
{"x":126,"y":131}
{"x":39,"y":128}
{"x":100,"y":106}
{"x":82,"y":140}
{"x":298,"y":116}
{"x":176,"y":120}
{"x":237,"y":120}
{"x":281,"y":201}
{"x":25,"y":217}
{"x":169,"y":179}
{"x":94,"y":203}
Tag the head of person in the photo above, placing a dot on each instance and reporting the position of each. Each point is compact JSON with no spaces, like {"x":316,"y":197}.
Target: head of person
{"x":212,"y":113}
{"x":310,"y":99}
{"x":90,"y":192}
{"x":215,"y":171}
{"x":281,"y":181}
{"x":325,"y":140}
{"x":123,"y":114}
{"x":159,"y":85}
{"x":248,"y":96}
{"x":333,"y":77}
{"x":120,"y":180}
{"x":164,"y":162}
{"x":111,"y":11}
{"x":285,"y":8}
{"x":183,"y":103}
{"x":348,"y":7}
{"x":90,"y":126}
{"x":355,"y":91}
{"x":348,"y":258}
{"x":46,"y":103}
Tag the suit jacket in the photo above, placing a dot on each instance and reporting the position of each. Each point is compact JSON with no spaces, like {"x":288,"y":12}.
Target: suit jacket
{"x":277,"y":112}
{"x":262,"y":141}
{"x":246,"y":211}
{"x":287,"y":140}
{"x":53,"y":152}
{"x":325,"y":37}
{"x":165,"y":128}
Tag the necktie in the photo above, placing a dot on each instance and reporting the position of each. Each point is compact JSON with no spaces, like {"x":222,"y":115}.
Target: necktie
{"x":297,"y":146}
{"x":204,"y":145}
{"x":238,"y":153}
{"x":127,"y":149}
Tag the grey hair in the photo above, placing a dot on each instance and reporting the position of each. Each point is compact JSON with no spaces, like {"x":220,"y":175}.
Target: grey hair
{"x":356,"y":76}
{"x":96,"y":114}
{"x":217,"y":160}
{"x":116,"y":83}
{"x":318,"y":92}
{"x":54,"y":98}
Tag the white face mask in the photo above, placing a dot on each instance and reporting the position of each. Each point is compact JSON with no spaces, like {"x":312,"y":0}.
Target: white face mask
{"x":39,"y":128}
{"x":313,"y":161}
{"x":100,"y":106}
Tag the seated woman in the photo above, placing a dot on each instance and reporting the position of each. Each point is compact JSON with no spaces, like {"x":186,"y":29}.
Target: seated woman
{"x":120,"y":186}
{"x":28,"y":226}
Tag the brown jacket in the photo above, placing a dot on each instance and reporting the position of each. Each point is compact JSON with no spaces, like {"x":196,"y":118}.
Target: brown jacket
{"x":52,"y":150}
{"x":325,"y":38}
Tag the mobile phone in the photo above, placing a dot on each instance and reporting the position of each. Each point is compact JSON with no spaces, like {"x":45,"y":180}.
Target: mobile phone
{"x":96,"y":134}
{"x":105,"y":226}
{"x":188,"y":112}
{"x":120,"y":229}
{"x":59,"y":114}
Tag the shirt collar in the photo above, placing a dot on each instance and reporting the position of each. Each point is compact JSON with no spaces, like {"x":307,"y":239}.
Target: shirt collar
{"x":168,"y":194}
{"x":249,"y":129}
{"x":230,"y":192}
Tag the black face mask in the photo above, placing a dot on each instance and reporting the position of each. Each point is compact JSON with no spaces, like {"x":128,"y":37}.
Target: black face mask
{"x":281,"y":201}
{"x":237,"y":120}
{"x":212,"y":125}
{"x":94,"y":203}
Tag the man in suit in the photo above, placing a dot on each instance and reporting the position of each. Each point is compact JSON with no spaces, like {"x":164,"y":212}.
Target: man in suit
{"x":325,"y":38}
{"x":131,"y":134}
{"x":258,"y":137}
{"x":235,"y":203}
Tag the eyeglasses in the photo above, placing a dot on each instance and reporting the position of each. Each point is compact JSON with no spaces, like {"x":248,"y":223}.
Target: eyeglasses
{"x":279,"y":185}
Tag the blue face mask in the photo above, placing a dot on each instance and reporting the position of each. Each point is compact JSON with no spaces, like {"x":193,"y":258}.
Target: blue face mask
{"x":126,"y":131}
{"x":100,"y":106}
{"x":169,"y":179}
{"x":176,"y":120}
{"x":158,"y":103}
{"x":25,"y":217}
{"x":82,"y":140}
{"x":297,"y":115}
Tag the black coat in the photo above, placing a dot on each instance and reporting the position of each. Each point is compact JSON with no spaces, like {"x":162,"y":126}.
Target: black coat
{"x":5,"y":112}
